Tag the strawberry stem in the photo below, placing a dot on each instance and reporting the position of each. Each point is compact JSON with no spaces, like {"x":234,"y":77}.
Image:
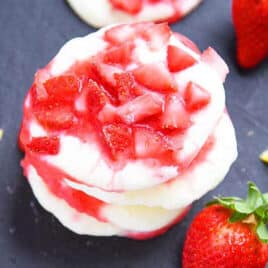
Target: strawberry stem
{"x":255,"y":206}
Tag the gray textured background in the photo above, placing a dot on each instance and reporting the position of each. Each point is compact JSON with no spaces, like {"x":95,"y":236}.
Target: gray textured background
{"x":31,"y":32}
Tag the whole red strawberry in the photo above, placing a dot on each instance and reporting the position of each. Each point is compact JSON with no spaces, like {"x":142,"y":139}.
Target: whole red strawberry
{"x":229,"y":233}
{"x":251,"y":24}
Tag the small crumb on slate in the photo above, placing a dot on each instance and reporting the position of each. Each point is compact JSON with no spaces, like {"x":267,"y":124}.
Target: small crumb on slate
{"x":44,"y":253}
{"x":35,"y":212}
{"x":89,"y":243}
{"x":264,"y":156}
{"x":13,"y":260}
{"x":250,"y":133}
{"x":9,"y":190}
{"x":116,"y":254}
{"x":1,"y":133}
{"x":243,"y":170}
{"x":12,"y":230}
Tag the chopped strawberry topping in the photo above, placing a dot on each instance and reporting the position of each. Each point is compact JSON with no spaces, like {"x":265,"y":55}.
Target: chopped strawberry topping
{"x":109,"y":114}
{"x":132,"y":109}
{"x":125,"y":86}
{"x":105,"y":76}
{"x":132,"y":7}
{"x":119,"y":34}
{"x":119,"y":55}
{"x":141,"y":108}
{"x":196,"y":97}
{"x":157,"y":35}
{"x":62,"y":86}
{"x":149,"y":143}
{"x":175,"y":115}
{"x":39,"y":94}
{"x":60,"y":90}
{"x":56,"y":118}
{"x":155,"y":77}
{"x":97,"y":97}
{"x":178,"y":59}
{"x":118,"y":137}
{"x":44,"y":145}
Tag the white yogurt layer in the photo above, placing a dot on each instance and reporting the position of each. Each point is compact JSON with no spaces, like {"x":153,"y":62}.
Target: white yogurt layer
{"x":189,"y":186}
{"x":85,"y":162}
{"x":101,"y":13}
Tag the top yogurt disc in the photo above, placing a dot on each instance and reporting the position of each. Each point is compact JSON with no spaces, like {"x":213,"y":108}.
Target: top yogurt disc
{"x":126,"y":108}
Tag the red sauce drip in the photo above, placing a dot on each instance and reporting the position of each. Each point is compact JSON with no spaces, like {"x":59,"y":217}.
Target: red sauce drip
{"x":54,"y":179}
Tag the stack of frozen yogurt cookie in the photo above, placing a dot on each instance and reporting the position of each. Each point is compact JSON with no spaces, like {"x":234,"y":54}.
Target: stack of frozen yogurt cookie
{"x":125,"y":128}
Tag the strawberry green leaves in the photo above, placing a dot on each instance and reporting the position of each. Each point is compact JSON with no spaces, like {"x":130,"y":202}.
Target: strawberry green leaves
{"x":252,"y":210}
{"x":262,"y":232}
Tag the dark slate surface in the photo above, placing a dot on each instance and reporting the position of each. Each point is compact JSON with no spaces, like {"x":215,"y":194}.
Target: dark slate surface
{"x":31,"y":34}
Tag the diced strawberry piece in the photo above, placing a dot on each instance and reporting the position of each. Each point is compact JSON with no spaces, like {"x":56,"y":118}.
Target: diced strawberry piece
{"x":62,"y":88}
{"x":108,"y":114}
{"x":125,"y":86}
{"x":133,"y":7}
{"x":55,"y":92}
{"x":44,"y":145}
{"x":119,"y":55}
{"x":178,"y":59}
{"x":119,"y":34}
{"x":96,"y":96}
{"x":38,"y":88}
{"x":155,"y":77}
{"x":39,"y":95}
{"x":157,"y":35}
{"x":149,"y":144}
{"x":176,"y":141}
{"x":55,"y":118}
{"x":196,"y":97}
{"x":175,"y":115}
{"x":154,"y":121}
{"x":105,"y":76}
{"x":84,"y":70}
{"x":188,"y":43}
{"x":214,"y":60}
{"x":119,"y":139}
{"x":141,"y":108}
